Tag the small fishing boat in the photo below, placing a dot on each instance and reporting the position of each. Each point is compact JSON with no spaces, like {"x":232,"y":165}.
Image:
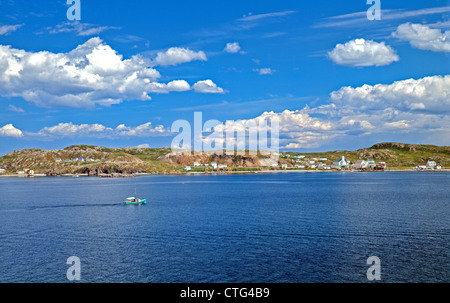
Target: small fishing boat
{"x":134,"y":201}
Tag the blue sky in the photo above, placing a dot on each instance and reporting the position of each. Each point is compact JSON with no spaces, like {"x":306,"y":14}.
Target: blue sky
{"x":335,"y":79}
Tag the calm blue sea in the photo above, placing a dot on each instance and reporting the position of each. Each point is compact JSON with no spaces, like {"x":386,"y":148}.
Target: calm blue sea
{"x":287,"y":227}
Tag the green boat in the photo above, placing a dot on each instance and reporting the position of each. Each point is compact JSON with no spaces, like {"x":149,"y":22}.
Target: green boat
{"x":134,"y":201}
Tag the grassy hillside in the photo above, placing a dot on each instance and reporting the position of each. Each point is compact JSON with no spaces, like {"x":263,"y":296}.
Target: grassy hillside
{"x":160,"y":160}
{"x":396,"y":155}
{"x":108,"y":160}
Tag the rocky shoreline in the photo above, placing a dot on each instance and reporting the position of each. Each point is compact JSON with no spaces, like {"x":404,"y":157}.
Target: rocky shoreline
{"x":117,"y":175}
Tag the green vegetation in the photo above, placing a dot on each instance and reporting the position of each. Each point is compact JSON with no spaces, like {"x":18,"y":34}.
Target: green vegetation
{"x":131,"y":160}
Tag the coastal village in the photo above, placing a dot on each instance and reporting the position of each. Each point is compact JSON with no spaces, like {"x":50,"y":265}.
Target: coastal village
{"x":83,"y":160}
{"x":300,"y":162}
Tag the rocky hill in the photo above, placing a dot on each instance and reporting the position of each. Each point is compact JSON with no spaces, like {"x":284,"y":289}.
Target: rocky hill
{"x":95,"y":160}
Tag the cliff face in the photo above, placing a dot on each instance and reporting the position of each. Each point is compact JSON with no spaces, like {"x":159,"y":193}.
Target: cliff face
{"x":229,"y":160}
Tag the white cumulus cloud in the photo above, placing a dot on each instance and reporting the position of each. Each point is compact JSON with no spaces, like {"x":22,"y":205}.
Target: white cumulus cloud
{"x":418,"y":108}
{"x":178,"y":55}
{"x":232,"y":48}
{"x":423,"y":37}
{"x":207,"y":87}
{"x":361,"y":52}
{"x":90,"y":75}
{"x":100,"y":131}
{"x":431,"y":94}
{"x":10,"y":131}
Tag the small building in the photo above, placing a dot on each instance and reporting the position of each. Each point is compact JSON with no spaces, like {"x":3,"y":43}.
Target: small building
{"x":274,"y":165}
{"x":187,"y":168}
{"x":196,"y":164}
{"x":2,"y":171}
{"x":300,"y":166}
{"x":323,"y":159}
{"x":341,"y":163}
{"x":221,"y":166}
{"x":431,"y":164}
{"x":80,"y":159}
{"x":214,"y":164}
{"x":284,"y":166}
{"x":58,"y":160}
{"x":421,"y":166}
{"x":371,"y":163}
{"x":381,"y":165}
{"x":360,"y":164}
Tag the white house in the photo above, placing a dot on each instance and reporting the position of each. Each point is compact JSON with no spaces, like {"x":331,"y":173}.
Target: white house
{"x":214,"y":164}
{"x":2,"y":171}
{"x":340,"y":163}
{"x":196,"y":164}
{"x":274,"y":165}
{"x":284,"y":166}
{"x":187,"y":168}
{"x":371,"y":163}
{"x":301,"y":166}
{"x":421,"y":166}
{"x":359,"y":164}
{"x":222,"y":166}
{"x":431,"y":164}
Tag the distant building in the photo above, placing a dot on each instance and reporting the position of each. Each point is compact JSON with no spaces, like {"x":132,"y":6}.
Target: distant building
{"x":196,"y":164}
{"x":431,"y":164}
{"x":371,"y":163}
{"x":274,"y":165}
{"x":381,"y":165}
{"x":341,"y":163}
{"x":284,"y":166}
{"x":2,"y":171}
{"x":222,"y":166}
{"x":421,"y":166}
{"x":214,"y":164}
{"x":360,"y":164}
{"x":58,"y":160}
{"x":187,"y":168}
{"x":323,"y":159}
{"x":300,"y":166}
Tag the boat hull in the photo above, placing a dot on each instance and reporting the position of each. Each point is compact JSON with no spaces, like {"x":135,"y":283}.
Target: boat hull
{"x":139,"y":202}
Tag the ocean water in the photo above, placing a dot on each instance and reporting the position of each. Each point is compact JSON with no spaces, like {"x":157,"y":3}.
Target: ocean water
{"x":265,"y":228}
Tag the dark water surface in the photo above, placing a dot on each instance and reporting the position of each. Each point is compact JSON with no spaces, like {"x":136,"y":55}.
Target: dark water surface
{"x":299,"y":227}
